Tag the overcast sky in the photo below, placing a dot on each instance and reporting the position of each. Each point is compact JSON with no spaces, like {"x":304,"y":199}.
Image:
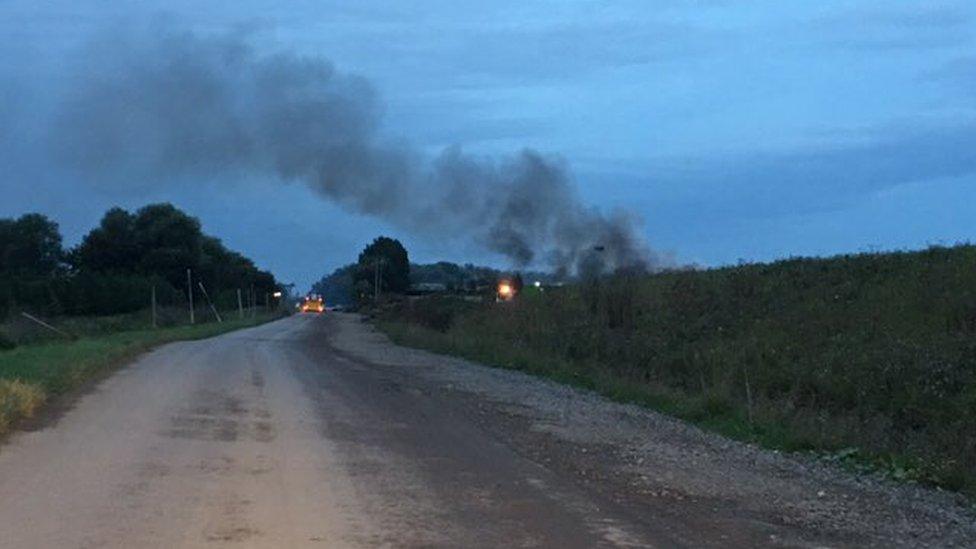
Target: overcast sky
{"x":733,"y":129}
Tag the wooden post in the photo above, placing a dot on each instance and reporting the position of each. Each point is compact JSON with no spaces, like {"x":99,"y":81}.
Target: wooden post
{"x":189,"y":292}
{"x":748,"y":395}
{"x":240,"y":305}
{"x":154,"y":325}
{"x":209,"y":302}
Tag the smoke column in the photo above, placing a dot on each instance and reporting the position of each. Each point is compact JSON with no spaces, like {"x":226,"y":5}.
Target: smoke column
{"x":170,"y":104}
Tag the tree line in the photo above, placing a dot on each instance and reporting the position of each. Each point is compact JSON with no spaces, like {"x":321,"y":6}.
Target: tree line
{"x":383,"y":267}
{"x":385,"y":261}
{"x":116,"y":266}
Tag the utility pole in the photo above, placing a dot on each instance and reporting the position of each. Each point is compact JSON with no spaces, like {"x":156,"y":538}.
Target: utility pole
{"x":240,"y":305}
{"x":154,"y":325}
{"x":189,"y":292}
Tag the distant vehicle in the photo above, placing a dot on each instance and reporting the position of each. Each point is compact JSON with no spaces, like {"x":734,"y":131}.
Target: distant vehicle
{"x":312,"y":304}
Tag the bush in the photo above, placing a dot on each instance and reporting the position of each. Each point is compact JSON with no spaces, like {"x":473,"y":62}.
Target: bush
{"x":437,"y":312}
{"x":6,"y":343}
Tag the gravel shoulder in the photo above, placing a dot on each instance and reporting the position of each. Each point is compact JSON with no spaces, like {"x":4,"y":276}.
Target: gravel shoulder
{"x":708,"y":490}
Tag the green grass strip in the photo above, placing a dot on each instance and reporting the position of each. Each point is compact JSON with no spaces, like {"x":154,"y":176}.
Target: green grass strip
{"x":56,"y":367}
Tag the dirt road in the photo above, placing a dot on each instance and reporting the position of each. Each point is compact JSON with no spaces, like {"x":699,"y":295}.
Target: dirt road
{"x":315,"y":431}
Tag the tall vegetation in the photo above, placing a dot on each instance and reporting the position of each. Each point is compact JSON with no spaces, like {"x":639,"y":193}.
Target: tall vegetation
{"x":871,"y":356}
{"x":116,"y":265}
{"x":383,"y":262}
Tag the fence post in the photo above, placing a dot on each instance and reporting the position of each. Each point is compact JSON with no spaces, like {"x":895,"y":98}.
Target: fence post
{"x":745,"y":370}
{"x":209,"y":302}
{"x":189,"y":292}
{"x":154,"y":325}
{"x":240,"y":305}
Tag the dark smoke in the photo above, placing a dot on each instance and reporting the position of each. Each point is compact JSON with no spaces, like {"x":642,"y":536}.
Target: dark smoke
{"x":170,"y":104}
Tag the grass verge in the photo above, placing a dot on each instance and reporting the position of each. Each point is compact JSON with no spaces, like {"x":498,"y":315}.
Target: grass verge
{"x":707,"y":411}
{"x":868,"y":359}
{"x":32,"y":374}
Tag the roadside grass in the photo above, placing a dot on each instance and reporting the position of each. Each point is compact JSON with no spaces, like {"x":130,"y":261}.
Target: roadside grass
{"x":33,"y":373}
{"x":710,"y":412}
{"x":866,"y":360}
{"x":18,"y":399}
{"x":17,"y":330}
{"x":705,"y":411}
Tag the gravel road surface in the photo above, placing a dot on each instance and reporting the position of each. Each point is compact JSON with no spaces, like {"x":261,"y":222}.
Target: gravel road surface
{"x":316,"y":431}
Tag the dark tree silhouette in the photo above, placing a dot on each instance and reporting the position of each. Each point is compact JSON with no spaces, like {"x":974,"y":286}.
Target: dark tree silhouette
{"x":110,"y":247}
{"x":30,"y":246}
{"x":388,"y":257}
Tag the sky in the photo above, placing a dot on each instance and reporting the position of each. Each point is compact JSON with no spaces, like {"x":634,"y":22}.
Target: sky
{"x":733,"y":131}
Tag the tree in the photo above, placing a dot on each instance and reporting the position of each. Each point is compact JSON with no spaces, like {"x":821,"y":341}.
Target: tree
{"x":337,"y":288}
{"x":388,"y":258}
{"x":120,"y":263}
{"x":30,"y":260}
{"x":158,"y":242}
{"x":171,"y":241}
{"x":30,"y":246}
{"x":111,"y":247}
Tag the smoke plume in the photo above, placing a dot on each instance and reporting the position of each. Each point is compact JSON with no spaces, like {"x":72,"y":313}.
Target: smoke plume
{"x":171,"y":104}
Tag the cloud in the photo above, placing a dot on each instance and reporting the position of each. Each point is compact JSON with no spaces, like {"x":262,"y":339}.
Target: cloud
{"x":960,"y":71}
{"x":507,"y":53}
{"x":800,"y":182}
{"x":567,"y":51}
{"x":913,"y":27}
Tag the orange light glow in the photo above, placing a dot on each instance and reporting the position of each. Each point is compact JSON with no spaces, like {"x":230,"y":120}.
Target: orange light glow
{"x":505,"y":289}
